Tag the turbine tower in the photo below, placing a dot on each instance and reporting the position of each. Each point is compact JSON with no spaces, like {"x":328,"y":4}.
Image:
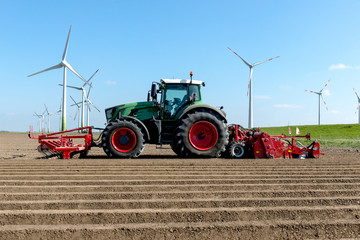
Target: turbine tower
{"x":357,"y":109}
{"x":320,"y":95}
{"x":249,"y":93}
{"x":63,"y":64}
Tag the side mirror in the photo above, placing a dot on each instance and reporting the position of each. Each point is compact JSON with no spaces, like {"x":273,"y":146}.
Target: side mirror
{"x":148,"y":96}
{"x":153,"y":91}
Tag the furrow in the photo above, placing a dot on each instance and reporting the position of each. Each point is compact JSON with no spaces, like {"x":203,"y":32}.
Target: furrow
{"x":345,"y":229}
{"x":166,"y":176}
{"x":185,"y":188}
{"x":176,"y":181}
{"x":123,"y":216}
{"x":177,"y":203}
{"x":175,"y":195}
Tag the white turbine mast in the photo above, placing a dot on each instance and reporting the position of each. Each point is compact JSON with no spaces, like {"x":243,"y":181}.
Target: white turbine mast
{"x":320,"y":96}
{"x":249,"y":93}
{"x":63,"y":64}
{"x":357,"y":108}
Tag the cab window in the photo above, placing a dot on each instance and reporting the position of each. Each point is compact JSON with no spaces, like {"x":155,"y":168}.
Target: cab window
{"x":175,"y":97}
{"x":194,"y":90}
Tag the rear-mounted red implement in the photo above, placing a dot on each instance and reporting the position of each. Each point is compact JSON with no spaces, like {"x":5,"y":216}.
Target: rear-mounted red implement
{"x":257,"y":144}
{"x":63,"y":145}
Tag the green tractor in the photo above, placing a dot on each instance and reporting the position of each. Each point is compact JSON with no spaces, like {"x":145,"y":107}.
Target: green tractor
{"x":178,"y":118}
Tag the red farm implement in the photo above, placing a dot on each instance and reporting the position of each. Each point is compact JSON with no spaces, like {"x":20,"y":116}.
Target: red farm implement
{"x":63,"y":143}
{"x":255,"y":144}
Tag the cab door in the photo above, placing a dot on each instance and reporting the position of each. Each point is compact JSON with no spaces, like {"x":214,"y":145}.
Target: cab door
{"x":175,"y":97}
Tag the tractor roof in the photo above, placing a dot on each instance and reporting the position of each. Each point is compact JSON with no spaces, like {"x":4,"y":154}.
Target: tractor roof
{"x":169,"y":81}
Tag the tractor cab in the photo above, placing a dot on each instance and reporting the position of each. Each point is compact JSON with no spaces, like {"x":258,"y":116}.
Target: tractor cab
{"x":176,"y":95}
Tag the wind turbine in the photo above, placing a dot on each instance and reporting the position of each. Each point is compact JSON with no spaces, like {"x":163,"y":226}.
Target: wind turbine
{"x":63,"y":64}
{"x":357,"y":109}
{"x":320,"y":95}
{"x":41,"y":120}
{"x":249,"y":93}
{"x":49,"y":114}
{"x":83,"y":97}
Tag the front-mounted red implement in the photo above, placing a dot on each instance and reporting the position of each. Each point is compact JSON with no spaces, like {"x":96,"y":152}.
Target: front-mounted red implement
{"x":65,"y":143}
{"x":256,"y":144}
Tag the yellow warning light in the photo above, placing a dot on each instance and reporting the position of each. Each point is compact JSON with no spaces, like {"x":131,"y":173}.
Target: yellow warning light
{"x":191,"y":73}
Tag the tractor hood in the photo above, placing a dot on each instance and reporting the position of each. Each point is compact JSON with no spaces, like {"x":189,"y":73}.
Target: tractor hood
{"x":139,"y":110}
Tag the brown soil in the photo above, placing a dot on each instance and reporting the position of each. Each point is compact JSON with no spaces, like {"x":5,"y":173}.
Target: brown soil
{"x":161,"y":196}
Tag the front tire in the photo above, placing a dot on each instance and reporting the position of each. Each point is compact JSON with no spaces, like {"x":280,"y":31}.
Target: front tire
{"x":200,"y":134}
{"x":122,"y":139}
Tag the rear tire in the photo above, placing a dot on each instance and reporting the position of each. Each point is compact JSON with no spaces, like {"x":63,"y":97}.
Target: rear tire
{"x":200,"y":134}
{"x":122,"y":139}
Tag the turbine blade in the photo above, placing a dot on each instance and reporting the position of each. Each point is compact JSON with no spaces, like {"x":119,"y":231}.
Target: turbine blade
{"x":48,"y":69}
{"x":66,"y":45}
{"x":75,"y":115}
{"x":74,"y":101}
{"x":88,"y":81}
{"x":247,"y":93}
{"x":357,"y":109}
{"x":258,"y":63}
{"x":89,"y":90}
{"x":325,"y":85}
{"x":73,"y":70}
{"x":93,"y":75}
{"x":75,"y":104}
{"x":77,"y":88}
{"x":356,"y":94}
{"x":241,"y":58}
{"x":324,"y":102}
{"x":309,"y":91}
{"x":46,"y":109}
{"x":93,"y":105}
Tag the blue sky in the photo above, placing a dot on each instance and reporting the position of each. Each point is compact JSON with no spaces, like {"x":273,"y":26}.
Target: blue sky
{"x":136,"y":42}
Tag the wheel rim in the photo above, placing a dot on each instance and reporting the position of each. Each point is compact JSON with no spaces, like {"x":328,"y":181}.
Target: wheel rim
{"x":238,"y":151}
{"x":123,"y":140}
{"x":203,"y":135}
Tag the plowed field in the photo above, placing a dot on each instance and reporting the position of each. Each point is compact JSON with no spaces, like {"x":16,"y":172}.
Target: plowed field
{"x":161,"y":196}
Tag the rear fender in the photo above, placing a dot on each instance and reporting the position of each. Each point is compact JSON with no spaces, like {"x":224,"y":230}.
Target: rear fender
{"x":203,"y":108}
